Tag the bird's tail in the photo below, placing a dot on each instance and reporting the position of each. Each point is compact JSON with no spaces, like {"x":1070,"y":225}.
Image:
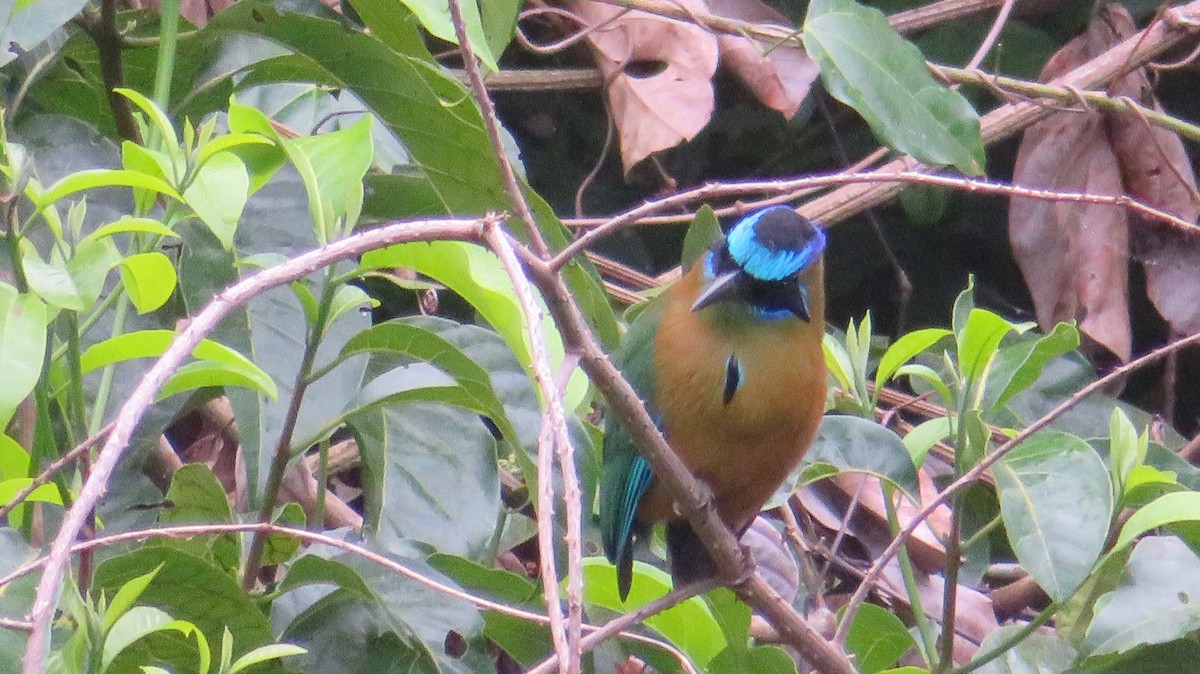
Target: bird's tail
{"x":690,"y":561}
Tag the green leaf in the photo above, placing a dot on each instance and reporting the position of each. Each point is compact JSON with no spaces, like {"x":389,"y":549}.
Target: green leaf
{"x":14,"y":460}
{"x":690,"y":625}
{"x":133,"y":625}
{"x":1159,"y":601}
{"x":24,"y":24}
{"x":23,"y":320}
{"x":877,"y":638}
{"x":130,"y":225}
{"x":978,"y":342}
{"x":499,"y":584}
{"x":93,"y":178}
{"x":1056,"y":501}
{"x":1126,"y":450}
{"x":1019,"y":365}
{"x":314,"y":570}
{"x":405,"y":337}
{"x":760,"y":660}
{"x":847,"y":443}
{"x":1183,"y":506}
{"x":149,"y":280}
{"x":191,"y":590}
{"x":218,"y":194}
{"x":332,"y":166}
{"x":867,"y":66}
{"x":478,"y":277}
{"x":156,"y":117}
{"x":905,"y":349}
{"x":196,"y":496}
{"x":1037,"y":652}
{"x":264,"y":654}
{"x":152,"y":344}
{"x":925,"y":435}
{"x":126,"y":596}
{"x":435,"y":16}
{"x":704,"y":231}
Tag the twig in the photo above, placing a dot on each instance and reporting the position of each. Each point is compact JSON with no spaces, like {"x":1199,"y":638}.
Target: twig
{"x":976,"y":473}
{"x":993,"y":34}
{"x":553,"y":439}
{"x":103,"y":31}
{"x":188,"y":337}
{"x":621,"y":623}
{"x":886,"y":178}
{"x":46,"y":475}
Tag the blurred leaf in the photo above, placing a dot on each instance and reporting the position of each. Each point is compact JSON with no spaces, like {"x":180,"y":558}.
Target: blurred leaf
{"x":1021,"y":362}
{"x":1156,"y":604}
{"x":1056,"y":500}
{"x":704,"y":231}
{"x":149,"y":280}
{"x":93,"y":178}
{"x":190,"y":589}
{"x":311,"y":569}
{"x":332,"y":166}
{"x":126,"y":597}
{"x":877,"y":638}
{"x":889,"y":85}
{"x":26,"y":23}
{"x":1036,"y":653}
{"x":979,"y":341}
{"x":854,"y":444}
{"x":499,"y":584}
{"x":218,"y":194}
{"x":22,"y":344}
{"x":196,"y":496}
{"x":1167,"y":509}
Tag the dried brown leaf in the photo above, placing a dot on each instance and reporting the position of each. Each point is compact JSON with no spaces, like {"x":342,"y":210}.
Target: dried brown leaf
{"x":1074,"y":256}
{"x":1157,"y":171}
{"x":659,"y":75}
{"x":782,"y":78}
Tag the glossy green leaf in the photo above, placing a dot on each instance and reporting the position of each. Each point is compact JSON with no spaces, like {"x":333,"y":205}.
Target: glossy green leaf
{"x":867,"y":66}
{"x":1056,"y":501}
{"x":228,"y":142}
{"x":149,"y":280}
{"x":137,"y":623}
{"x":218,"y":195}
{"x":196,"y":496}
{"x":14,"y":460}
{"x":22,"y":344}
{"x":690,"y":625}
{"x":435,"y":16}
{"x":314,"y":570}
{"x":1158,"y":602}
{"x":265,"y":654}
{"x":1126,"y":450}
{"x":925,"y":435}
{"x":979,"y":341}
{"x":332,"y":166}
{"x":158,"y":119}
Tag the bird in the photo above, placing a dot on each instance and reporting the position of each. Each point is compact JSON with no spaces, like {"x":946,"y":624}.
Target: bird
{"x":730,"y":365}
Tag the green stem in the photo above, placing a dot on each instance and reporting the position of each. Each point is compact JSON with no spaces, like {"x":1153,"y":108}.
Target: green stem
{"x":318,"y":522}
{"x":283,"y":449}
{"x":168,"y":35}
{"x":928,"y":640}
{"x":77,"y":401}
{"x":106,"y":377}
{"x":982,"y":533}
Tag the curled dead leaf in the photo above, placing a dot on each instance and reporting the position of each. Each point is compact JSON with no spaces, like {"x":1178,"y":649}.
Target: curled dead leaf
{"x":659,"y":74}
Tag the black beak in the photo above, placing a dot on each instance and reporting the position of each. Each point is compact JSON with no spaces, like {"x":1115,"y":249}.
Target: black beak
{"x":723,"y":288}
{"x":797,"y":302}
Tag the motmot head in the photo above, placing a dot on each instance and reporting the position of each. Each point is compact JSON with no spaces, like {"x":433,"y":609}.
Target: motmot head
{"x":760,"y":263}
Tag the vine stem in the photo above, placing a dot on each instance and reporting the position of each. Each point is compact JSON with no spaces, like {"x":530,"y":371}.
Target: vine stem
{"x":186,"y":339}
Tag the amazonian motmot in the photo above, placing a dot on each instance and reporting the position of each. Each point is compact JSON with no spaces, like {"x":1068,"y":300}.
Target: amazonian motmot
{"x":729,"y":363}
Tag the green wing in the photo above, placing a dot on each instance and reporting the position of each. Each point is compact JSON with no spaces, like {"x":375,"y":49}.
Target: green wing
{"x":626,"y":476}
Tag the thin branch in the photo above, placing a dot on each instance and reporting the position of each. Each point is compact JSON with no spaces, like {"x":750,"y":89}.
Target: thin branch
{"x":553,"y":439}
{"x":492,"y":124}
{"x":976,"y":473}
{"x":186,"y":339}
{"x":103,"y":31}
{"x":48,"y":474}
{"x":993,"y":34}
{"x":889,"y":179}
